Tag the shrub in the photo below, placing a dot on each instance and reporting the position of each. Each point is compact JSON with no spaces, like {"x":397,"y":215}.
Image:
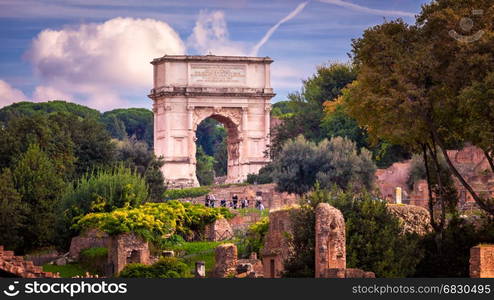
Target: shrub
{"x":449,"y":256}
{"x":154,"y":221}
{"x":166,"y":267}
{"x":336,"y":162}
{"x":106,"y":190}
{"x":373,"y":239}
{"x":186,"y":193}
{"x":264,"y":175}
{"x":94,"y":259}
{"x":254,"y":238}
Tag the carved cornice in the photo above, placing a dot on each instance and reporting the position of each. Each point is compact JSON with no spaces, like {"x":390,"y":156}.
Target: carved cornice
{"x":212,"y":58}
{"x":209,"y":91}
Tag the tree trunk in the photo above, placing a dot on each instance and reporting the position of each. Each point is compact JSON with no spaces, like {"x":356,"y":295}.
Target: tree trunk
{"x":476,"y":197}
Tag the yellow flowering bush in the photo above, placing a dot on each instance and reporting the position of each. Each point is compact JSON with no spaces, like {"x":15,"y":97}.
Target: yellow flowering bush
{"x":154,"y":221}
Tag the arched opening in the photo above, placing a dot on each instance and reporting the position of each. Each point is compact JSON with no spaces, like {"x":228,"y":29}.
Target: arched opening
{"x":217,"y":150}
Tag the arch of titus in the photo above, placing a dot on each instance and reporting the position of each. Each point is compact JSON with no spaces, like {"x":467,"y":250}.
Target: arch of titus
{"x":235,"y":91}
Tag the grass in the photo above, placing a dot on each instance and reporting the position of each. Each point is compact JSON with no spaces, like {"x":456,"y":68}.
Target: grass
{"x":191,"y":252}
{"x":247,"y":211}
{"x":66,"y":271}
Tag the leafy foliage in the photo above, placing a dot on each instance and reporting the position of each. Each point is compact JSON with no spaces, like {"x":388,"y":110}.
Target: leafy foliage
{"x":373,"y":236}
{"x":41,"y":188}
{"x":374,"y":239}
{"x":302,"y":163}
{"x":204,"y":167}
{"x":452,"y":258}
{"x":306,"y":108}
{"x":254,"y":238}
{"x":105,"y":190}
{"x":166,"y":267}
{"x":129,"y":122}
{"x":264,"y":175}
{"x":12,"y":213}
{"x":154,"y":221}
{"x":136,"y":155}
{"x":94,"y":259}
{"x":30,"y":109}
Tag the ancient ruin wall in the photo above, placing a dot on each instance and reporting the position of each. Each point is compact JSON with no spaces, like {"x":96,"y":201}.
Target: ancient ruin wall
{"x":482,"y":261}
{"x":330,"y":239}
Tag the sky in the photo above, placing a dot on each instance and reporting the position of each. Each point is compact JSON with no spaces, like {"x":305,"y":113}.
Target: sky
{"x":97,"y":52}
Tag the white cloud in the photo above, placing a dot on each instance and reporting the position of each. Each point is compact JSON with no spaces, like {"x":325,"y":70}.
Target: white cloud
{"x":98,"y":60}
{"x":210,"y":35}
{"x":9,"y":95}
{"x":48,"y":93}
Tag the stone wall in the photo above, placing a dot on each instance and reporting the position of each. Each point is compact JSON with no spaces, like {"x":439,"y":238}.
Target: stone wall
{"x":413,"y":219}
{"x":271,"y":199}
{"x":225,"y":261}
{"x":276,"y":249}
{"x":18,"y":267}
{"x":482,"y":261}
{"x":88,"y":239}
{"x":219,"y":230}
{"x":330,"y":239}
{"x":241,"y":223}
{"x":469,"y":161}
{"x":127,"y":248}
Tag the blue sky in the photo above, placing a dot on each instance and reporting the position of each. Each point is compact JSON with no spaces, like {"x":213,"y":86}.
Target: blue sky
{"x":77,"y":50}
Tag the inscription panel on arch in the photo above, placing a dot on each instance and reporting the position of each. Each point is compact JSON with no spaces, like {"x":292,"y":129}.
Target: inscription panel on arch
{"x":217,"y":74}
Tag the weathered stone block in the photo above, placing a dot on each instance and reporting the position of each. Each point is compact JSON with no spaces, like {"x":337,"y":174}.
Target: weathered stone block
{"x":127,"y":248}
{"x":482,"y":261}
{"x":330,"y":239}
{"x":219,"y":230}
{"x":226,"y":260}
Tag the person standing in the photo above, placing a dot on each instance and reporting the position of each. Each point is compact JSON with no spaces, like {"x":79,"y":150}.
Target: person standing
{"x":212,"y":200}
{"x":223,"y":203}
{"x":235,"y":201}
{"x":258,"y":201}
{"x":206,"y":201}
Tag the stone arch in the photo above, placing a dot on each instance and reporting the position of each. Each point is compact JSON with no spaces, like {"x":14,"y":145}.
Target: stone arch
{"x":235,"y":91}
{"x":231,"y":119}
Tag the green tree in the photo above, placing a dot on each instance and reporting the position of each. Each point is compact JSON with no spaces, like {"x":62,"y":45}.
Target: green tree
{"x":413,"y":81}
{"x":204,"y":167}
{"x":136,"y":155}
{"x":29,"y":109}
{"x":306,"y":109}
{"x":105,"y":190}
{"x":92,"y":145}
{"x":21,"y":132}
{"x":212,"y":137}
{"x":41,"y":187}
{"x":335,"y":162}
{"x":130,"y":122}
{"x":12,"y":213}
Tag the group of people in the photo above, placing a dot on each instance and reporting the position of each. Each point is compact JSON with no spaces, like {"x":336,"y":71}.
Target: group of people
{"x":235,"y":203}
